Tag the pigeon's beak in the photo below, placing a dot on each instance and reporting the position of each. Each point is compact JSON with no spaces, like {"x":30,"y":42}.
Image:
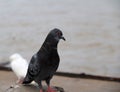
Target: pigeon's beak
{"x":62,"y":38}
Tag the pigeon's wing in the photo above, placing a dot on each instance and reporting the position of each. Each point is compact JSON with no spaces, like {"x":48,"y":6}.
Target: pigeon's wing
{"x":33,"y":70}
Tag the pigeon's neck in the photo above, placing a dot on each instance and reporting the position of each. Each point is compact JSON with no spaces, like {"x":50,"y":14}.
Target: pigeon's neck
{"x":48,"y":47}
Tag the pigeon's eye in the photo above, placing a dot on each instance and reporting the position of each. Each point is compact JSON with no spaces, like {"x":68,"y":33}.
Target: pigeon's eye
{"x":58,"y":33}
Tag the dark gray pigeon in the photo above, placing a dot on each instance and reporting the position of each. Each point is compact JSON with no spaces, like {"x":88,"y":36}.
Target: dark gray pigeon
{"x":45,"y":62}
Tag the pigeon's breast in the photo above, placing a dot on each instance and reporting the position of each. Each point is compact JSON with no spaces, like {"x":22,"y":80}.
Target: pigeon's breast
{"x":48,"y":68}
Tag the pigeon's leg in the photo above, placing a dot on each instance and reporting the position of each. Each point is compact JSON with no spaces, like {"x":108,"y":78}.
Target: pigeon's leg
{"x":49,"y":88}
{"x":16,"y":85}
{"x":40,"y":85}
{"x":20,"y":80}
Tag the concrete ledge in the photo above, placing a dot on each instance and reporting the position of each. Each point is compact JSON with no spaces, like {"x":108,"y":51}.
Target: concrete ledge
{"x":7,"y":78}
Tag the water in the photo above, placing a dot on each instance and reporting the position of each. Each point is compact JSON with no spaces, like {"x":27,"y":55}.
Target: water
{"x":91,"y":28}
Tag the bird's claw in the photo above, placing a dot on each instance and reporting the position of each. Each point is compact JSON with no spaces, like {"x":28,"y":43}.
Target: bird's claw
{"x":51,"y":90}
{"x":41,"y":90}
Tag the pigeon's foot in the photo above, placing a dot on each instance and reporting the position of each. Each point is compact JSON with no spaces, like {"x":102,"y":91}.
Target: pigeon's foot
{"x":51,"y":90}
{"x":20,"y":81}
{"x":41,"y":90}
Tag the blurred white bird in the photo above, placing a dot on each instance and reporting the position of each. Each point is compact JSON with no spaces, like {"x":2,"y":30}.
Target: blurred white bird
{"x":19,"y":66}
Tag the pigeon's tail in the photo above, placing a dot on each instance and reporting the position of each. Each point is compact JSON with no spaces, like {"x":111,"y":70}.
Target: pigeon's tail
{"x":5,"y":66}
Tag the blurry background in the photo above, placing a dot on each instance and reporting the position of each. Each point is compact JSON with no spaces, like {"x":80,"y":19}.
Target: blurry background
{"x":91,"y":28}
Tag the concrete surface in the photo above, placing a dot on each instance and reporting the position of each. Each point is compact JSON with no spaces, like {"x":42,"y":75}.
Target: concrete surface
{"x":69,"y":84}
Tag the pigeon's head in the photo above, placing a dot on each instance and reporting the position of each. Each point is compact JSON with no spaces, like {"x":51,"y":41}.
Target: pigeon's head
{"x":56,"y":35}
{"x":15,"y":56}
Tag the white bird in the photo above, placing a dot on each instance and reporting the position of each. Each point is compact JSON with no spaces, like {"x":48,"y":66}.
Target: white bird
{"x":19,"y":66}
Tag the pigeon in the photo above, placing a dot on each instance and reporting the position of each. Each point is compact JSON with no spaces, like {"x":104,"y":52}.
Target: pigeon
{"x":19,"y":66}
{"x":45,"y":62}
